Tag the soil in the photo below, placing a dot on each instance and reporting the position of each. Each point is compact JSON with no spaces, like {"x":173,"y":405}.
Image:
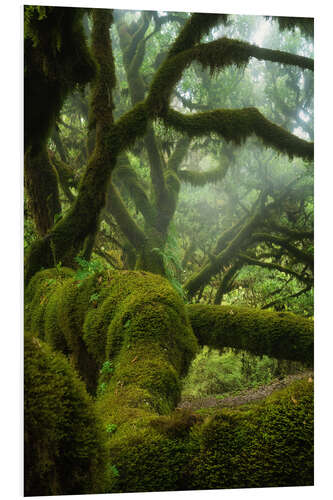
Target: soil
{"x":246,"y":396}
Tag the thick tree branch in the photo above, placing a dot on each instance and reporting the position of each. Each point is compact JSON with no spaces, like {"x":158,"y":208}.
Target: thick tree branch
{"x":131,"y":182}
{"x":237,"y":125}
{"x":279,"y":335}
{"x":68,"y":236}
{"x":126,"y":223}
{"x":214,"y":55}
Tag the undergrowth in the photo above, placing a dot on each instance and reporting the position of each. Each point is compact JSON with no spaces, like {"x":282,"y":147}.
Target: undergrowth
{"x":220,"y":374}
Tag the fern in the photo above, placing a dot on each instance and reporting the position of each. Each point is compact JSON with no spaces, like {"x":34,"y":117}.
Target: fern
{"x":172,"y":261}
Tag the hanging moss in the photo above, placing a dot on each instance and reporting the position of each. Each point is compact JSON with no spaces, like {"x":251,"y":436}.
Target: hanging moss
{"x":216,"y":56}
{"x":56,"y":59}
{"x":305,"y":24}
{"x":236,"y":125}
{"x":64,"y":444}
{"x":280,"y":335}
{"x":202,"y":178}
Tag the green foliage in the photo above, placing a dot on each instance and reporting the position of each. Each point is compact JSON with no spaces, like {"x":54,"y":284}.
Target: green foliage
{"x":114,"y":470}
{"x":171,"y":260}
{"x":111,"y":428}
{"x":215,"y":373}
{"x":107,"y":368}
{"x":86,"y":269}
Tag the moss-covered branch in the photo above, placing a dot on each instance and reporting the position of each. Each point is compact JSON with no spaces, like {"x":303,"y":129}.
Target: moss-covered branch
{"x":300,"y":255}
{"x":271,"y":265}
{"x":215,"y":55}
{"x":293,"y":234}
{"x":66,"y":176}
{"x":202,"y":178}
{"x":227,"y":281}
{"x":132,"y":183}
{"x":227,"y":253}
{"x":194,"y":29}
{"x":236,"y":125}
{"x":126,"y":223}
{"x":305,"y":24}
{"x":280,"y":335}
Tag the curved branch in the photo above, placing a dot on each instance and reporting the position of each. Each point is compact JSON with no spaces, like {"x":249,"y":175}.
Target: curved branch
{"x":215,"y":55}
{"x":126,"y":223}
{"x":237,"y":125}
{"x":202,"y":178}
{"x":270,"y":265}
{"x":284,"y":299}
{"x":283,"y":242}
{"x":131,"y":182}
{"x":224,"y":257}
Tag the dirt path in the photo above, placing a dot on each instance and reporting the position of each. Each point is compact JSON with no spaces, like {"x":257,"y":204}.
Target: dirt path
{"x":244,"y":397}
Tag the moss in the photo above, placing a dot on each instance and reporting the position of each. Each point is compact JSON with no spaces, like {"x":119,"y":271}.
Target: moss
{"x":64,"y":450}
{"x":149,"y":462}
{"x":43,"y":196}
{"x":280,"y":335}
{"x":38,"y":294}
{"x":202,"y":178}
{"x":56,"y":58}
{"x":139,"y":335}
{"x":128,"y":128}
{"x":216,"y":56}
{"x":305,"y":24}
{"x":195,"y":28}
{"x":270,"y":445}
{"x":236,"y":125}
{"x":135,"y":313}
{"x":136,"y":188}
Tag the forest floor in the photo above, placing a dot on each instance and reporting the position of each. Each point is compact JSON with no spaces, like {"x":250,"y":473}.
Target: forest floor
{"x":246,"y":396}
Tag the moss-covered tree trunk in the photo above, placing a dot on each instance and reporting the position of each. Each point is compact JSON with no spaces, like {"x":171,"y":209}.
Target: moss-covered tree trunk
{"x":43,"y":197}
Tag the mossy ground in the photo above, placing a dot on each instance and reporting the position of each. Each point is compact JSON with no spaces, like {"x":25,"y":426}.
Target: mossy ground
{"x":128,"y":335}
